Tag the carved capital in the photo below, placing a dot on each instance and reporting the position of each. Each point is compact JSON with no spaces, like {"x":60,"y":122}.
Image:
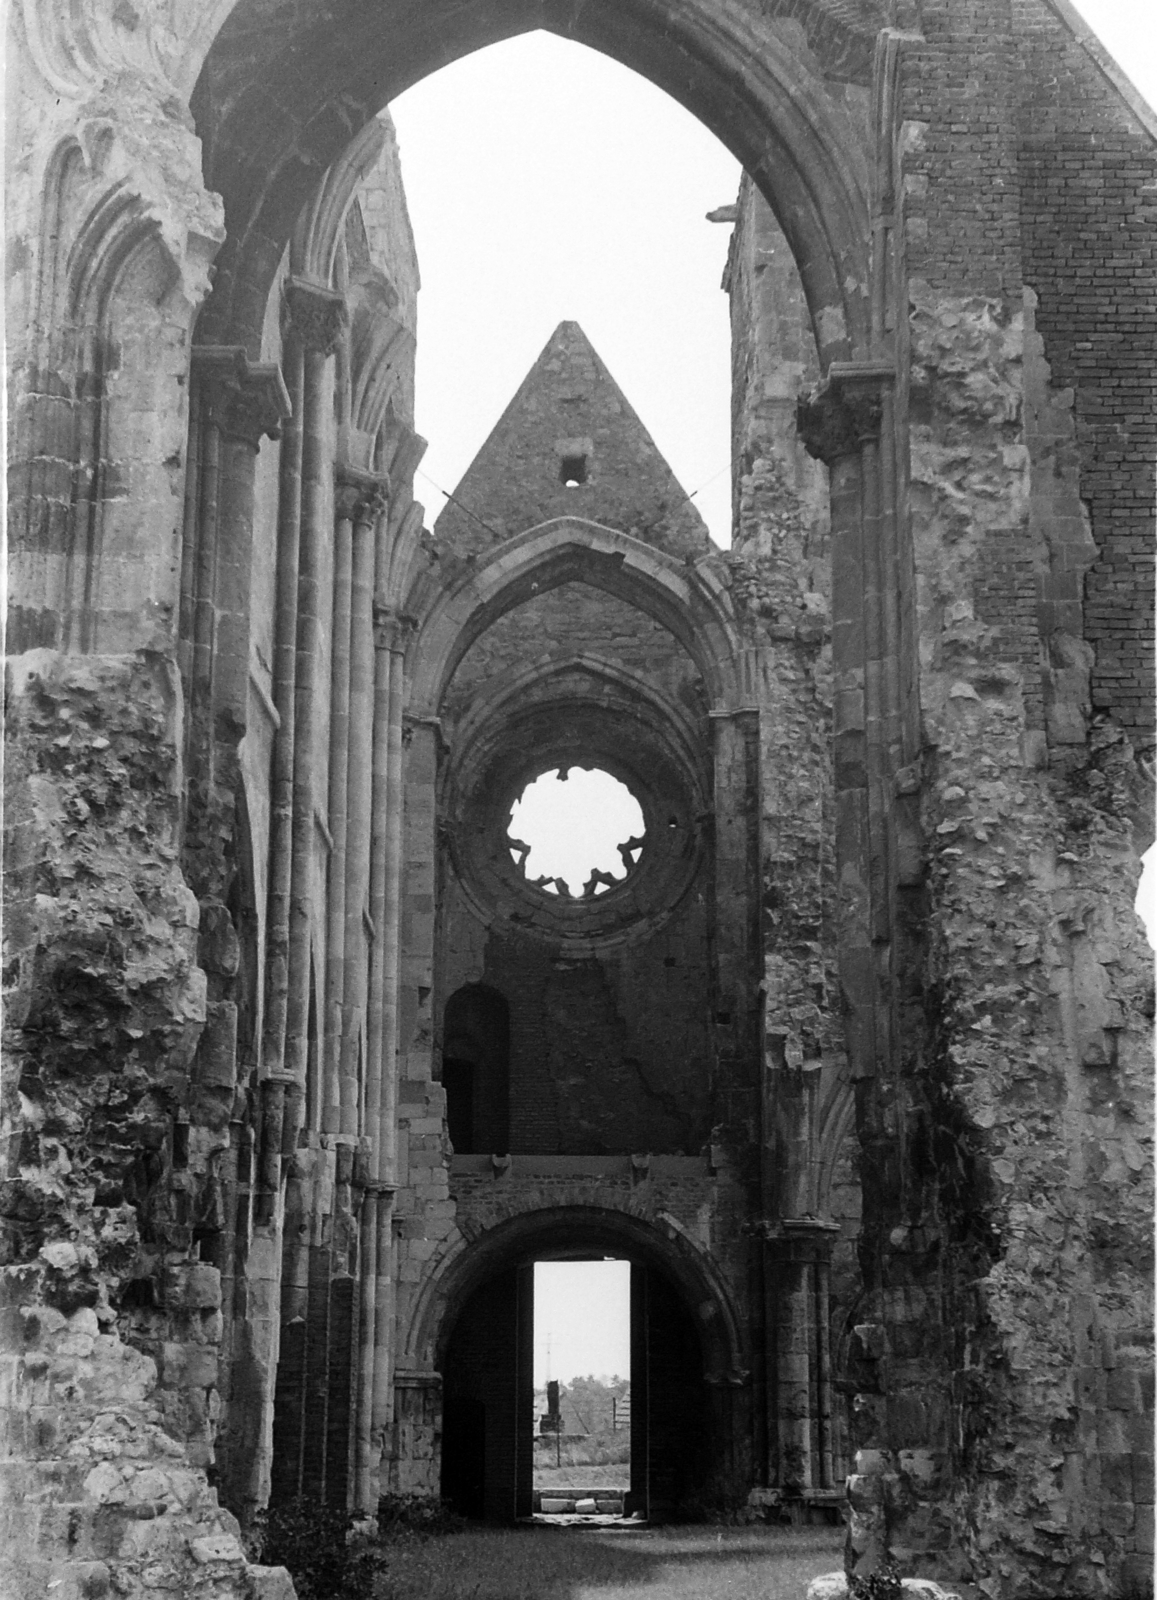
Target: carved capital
{"x":246,"y":399}
{"x":392,"y":628}
{"x":844,"y":412}
{"x":359,"y":496}
{"x":316,"y":315}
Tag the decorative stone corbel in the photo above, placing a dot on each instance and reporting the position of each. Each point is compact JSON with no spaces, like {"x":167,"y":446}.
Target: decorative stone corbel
{"x":360,"y":497}
{"x":314,"y":314}
{"x":246,"y":399}
{"x":845,"y":410}
{"x":392,"y":629}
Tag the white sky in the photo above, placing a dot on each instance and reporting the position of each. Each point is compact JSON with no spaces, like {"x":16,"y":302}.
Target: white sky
{"x":547,"y":182}
{"x":575,"y":824}
{"x":582,"y":1309}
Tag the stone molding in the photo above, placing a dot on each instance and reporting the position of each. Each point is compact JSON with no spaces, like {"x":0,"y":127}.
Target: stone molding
{"x":247,"y":400}
{"x":845,"y":411}
{"x":359,"y":496}
{"x":316,"y":315}
{"x":392,"y":629}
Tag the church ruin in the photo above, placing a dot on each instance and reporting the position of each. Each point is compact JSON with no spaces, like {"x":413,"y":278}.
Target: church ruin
{"x":851,"y":1061}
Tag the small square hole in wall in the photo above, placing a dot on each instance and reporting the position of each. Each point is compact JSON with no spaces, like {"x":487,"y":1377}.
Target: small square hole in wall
{"x":573,"y":471}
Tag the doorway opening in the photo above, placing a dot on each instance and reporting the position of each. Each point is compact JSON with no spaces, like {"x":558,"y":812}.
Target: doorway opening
{"x":493,"y":1404}
{"x":582,"y":1387}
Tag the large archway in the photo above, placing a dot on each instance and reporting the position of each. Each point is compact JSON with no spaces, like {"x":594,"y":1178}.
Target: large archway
{"x":688,"y":1361}
{"x":281,"y":93}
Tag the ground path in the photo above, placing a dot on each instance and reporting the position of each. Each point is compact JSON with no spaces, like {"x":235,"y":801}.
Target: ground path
{"x":544,"y":1563}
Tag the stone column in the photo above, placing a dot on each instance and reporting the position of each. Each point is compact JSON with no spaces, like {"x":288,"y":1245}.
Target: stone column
{"x":367,"y":496}
{"x":319,"y":317}
{"x":375,"y":1386}
{"x":281,"y":780}
{"x":846,"y":422}
{"x":334,"y":1023}
{"x":794,"y":1248}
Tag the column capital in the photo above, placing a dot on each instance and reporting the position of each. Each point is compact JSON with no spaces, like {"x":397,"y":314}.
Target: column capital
{"x":359,"y":496}
{"x":844,"y":411}
{"x":246,"y":399}
{"x":317,"y":315}
{"x":391,"y":627}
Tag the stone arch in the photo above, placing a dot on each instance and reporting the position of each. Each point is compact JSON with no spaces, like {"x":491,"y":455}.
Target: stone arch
{"x":654,"y":1240}
{"x":691,"y":602}
{"x":112,"y":296}
{"x":336,"y":66}
{"x":491,"y":708}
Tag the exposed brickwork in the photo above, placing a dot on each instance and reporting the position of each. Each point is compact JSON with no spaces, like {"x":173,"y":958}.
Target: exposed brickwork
{"x":960,"y":178}
{"x":1088,"y":178}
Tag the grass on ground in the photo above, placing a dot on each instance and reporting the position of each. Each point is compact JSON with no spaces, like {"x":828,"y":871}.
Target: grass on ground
{"x":587,"y":1476}
{"x":544,"y":1563}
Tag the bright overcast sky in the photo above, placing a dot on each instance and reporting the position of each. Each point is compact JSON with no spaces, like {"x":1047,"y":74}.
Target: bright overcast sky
{"x":582,"y":1320}
{"x":546,"y":182}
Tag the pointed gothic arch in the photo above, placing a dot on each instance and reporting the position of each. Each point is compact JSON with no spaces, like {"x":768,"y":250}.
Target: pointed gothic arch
{"x":334,"y":68}
{"x":690,"y":601}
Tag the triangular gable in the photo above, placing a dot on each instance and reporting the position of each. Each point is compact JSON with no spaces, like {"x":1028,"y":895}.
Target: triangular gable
{"x":570,"y":420}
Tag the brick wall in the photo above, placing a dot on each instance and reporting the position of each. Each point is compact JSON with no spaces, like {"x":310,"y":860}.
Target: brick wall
{"x":1088,"y":183}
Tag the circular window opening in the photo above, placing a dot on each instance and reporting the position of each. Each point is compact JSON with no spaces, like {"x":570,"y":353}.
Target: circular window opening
{"x":576,"y":832}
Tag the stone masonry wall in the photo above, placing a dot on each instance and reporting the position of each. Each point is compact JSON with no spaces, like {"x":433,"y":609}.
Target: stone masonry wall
{"x":1029,"y":1091}
{"x":781,"y":579}
{"x":112,"y":1323}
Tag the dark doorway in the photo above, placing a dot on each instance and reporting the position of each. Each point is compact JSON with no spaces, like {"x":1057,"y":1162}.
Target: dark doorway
{"x":488,"y":1404}
{"x":669,"y":1414}
{"x":464,"y":1455}
{"x":476,"y":1070}
{"x":486,"y":1453}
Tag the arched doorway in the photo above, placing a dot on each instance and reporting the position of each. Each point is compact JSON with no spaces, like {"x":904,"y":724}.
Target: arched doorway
{"x":680,"y":1336}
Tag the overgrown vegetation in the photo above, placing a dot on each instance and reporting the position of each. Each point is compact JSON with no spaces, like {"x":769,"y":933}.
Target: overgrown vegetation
{"x":332,"y":1555}
{"x":328,"y":1554}
{"x":883,"y":1584}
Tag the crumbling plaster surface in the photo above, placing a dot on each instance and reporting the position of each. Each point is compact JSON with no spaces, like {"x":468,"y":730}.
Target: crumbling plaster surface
{"x":112,"y":1408}
{"x":1039,"y":980}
